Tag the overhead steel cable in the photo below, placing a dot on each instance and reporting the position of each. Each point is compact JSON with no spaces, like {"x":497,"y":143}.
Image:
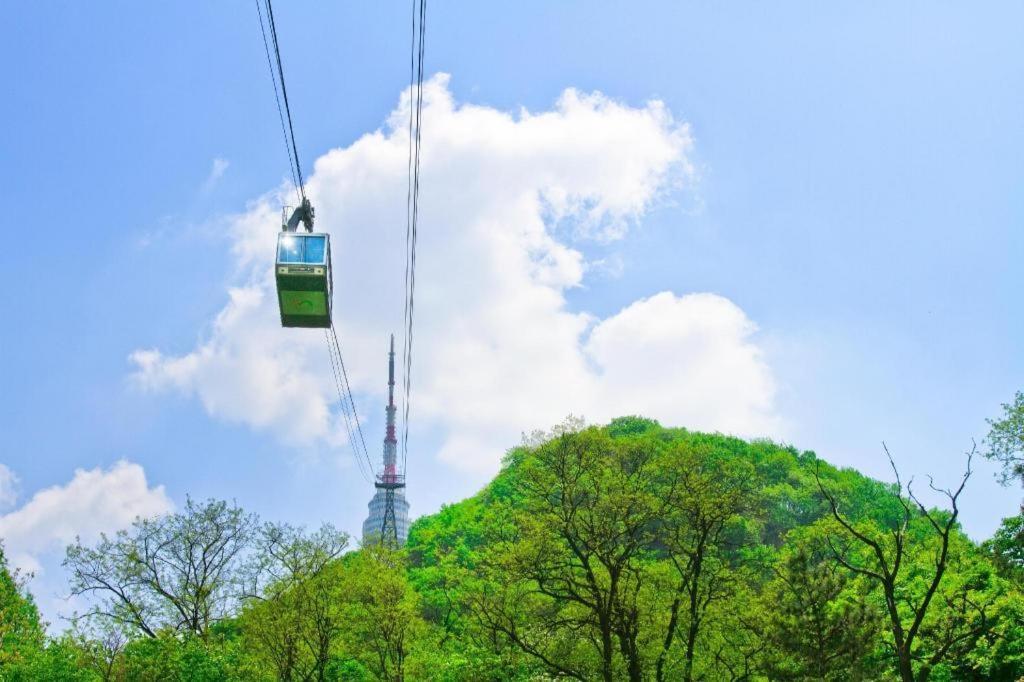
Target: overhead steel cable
{"x":341,"y":382}
{"x":367,"y":469}
{"x":412,"y":206}
{"x":348,"y":393}
{"x":277,"y":99}
{"x":408,"y":232}
{"x":359,"y":457}
{"x":284,"y":95}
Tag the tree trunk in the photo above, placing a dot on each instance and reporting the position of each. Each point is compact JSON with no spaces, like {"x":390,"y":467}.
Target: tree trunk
{"x":659,"y":675}
{"x":906,"y":666}
{"x":694,"y":624}
{"x":606,"y":650}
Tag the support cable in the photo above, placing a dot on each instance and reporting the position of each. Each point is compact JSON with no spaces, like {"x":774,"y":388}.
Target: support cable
{"x":284,"y":95}
{"x":342,"y":385}
{"x":277,"y":99}
{"x":351,"y":400}
{"x":347,"y":402}
{"x":367,"y":473}
{"x":412,"y":207}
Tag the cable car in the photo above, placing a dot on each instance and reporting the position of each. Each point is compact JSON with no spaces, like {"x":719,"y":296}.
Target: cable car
{"x":303,"y":271}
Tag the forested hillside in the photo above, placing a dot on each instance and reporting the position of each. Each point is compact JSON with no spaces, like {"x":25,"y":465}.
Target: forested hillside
{"x":624,"y":552}
{"x":641,"y":552}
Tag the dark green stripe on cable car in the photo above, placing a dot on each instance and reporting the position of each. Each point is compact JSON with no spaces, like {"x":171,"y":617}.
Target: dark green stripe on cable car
{"x":304,"y":279}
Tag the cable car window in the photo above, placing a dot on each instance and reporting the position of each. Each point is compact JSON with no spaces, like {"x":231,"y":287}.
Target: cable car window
{"x":315,"y":247}
{"x":289,"y":249}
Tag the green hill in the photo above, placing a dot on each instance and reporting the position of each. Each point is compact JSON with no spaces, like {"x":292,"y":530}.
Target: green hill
{"x":635,"y":551}
{"x":624,"y":552}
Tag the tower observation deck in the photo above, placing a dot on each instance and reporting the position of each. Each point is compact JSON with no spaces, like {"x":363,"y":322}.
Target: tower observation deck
{"x":388,"y":520}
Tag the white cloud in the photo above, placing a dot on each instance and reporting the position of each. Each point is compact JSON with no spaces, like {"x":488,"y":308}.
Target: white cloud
{"x":8,"y":487}
{"x":250,"y":371}
{"x":506,"y":200}
{"x":217,"y":168}
{"x":92,"y":502}
{"x":678,"y":344}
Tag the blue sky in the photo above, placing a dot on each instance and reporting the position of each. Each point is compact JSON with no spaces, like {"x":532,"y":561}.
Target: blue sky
{"x":853,"y":188}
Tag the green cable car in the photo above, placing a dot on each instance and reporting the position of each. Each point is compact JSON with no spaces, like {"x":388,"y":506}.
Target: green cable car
{"x":303,"y":273}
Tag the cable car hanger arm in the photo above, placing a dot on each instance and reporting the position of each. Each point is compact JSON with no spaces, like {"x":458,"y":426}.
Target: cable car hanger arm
{"x":304,"y":214}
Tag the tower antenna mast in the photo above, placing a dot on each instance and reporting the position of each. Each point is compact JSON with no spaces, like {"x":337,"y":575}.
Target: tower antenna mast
{"x":385,"y":522}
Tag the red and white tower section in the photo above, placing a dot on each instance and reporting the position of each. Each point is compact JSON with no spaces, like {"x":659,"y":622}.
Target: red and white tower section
{"x":388,"y":521}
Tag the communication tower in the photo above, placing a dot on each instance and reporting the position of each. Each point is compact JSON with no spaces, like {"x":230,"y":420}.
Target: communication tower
{"x":388,"y":521}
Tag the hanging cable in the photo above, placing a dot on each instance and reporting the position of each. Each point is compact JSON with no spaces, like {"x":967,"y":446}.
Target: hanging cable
{"x":348,"y":393}
{"x":417,"y":51}
{"x":340,"y":374}
{"x":284,"y":95}
{"x":408,"y":233}
{"x":288,"y":131}
{"x":277,"y":99}
{"x":416,"y":71}
{"x":365,"y":469}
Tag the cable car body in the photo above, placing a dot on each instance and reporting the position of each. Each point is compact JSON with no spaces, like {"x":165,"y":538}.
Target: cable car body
{"x":304,"y":277}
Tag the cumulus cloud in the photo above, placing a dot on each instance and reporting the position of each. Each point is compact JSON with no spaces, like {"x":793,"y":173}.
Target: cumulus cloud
{"x":8,"y":487}
{"x":217,"y":169}
{"x":250,"y":371}
{"x":509,"y":201}
{"x":678,"y":343}
{"x":94,"y":501}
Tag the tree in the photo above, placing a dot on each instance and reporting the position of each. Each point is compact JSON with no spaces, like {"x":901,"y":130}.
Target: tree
{"x":820,"y":625}
{"x":565,"y":562}
{"x":21,"y":631}
{"x":706,"y":495}
{"x":381,"y":612}
{"x":733,"y":644}
{"x":882,"y":556}
{"x":965,"y":611}
{"x":184,"y":657}
{"x":1006,"y":548}
{"x":998,"y":656}
{"x":610,"y":552}
{"x":100,"y":649}
{"x":1006,"y":440}
{"x":293,"y":619}
{"x":180,"y":571}
{"x":630,"y":552}
{"x":443,"y":569}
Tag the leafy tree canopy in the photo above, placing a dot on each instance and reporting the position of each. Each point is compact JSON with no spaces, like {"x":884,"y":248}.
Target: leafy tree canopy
{"x":630,"y":551}
{"x":1006,"y":440}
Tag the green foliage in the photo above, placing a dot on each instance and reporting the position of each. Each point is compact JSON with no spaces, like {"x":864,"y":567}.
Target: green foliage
{"x":381,"y":611}
{"x":292,"y":623}
{"x":630,"y":551}
{"x":1006,"y":548}
{"x":178,"y":572}
{"x":1006,"y":440}
{"x":592,"y":532}
{"x":63,"y":660}
{"x":631,"y":426}
{"x":21,"y":632}
{"x":184,"y":657}
{"x":820,"y":623}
